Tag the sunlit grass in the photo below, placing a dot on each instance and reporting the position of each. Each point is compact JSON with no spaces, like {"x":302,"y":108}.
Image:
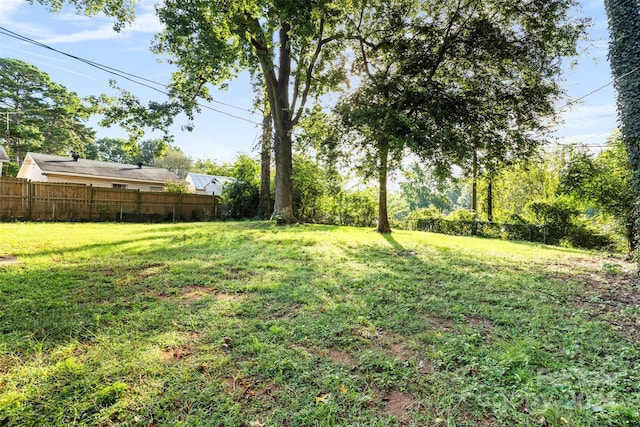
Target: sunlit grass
{"x":241,"y":323}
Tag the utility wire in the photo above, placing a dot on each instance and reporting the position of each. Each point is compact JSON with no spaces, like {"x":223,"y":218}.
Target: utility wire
{"x":125,"y":75}
{"x":598,"y":89}
{"x":139,"y":80}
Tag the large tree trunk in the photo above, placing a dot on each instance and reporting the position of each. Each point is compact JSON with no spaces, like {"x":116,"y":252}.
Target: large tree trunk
{"x":265,"y":166}
{"x":283,"y":206}
{"x":474,"y":185}
{"x":624,"y":56}
{"x":490,"y":201}
{"x":283,"y":203}
{"x":630,"y":234}
{"x":383,"y":216}
{"x":279,"y":105}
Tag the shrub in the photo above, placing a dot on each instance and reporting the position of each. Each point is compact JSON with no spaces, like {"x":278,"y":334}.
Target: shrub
{"x":177,"y":187}
{"x":516,"y":219}
{"x":557,"y":212}
{"x":424,"y":213}
{"x":462,"y":214}
{"x":358,"y":208}
{"x":241,"y":200}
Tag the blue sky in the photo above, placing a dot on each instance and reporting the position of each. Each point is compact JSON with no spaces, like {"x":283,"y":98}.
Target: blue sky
{"x":219,"y":136}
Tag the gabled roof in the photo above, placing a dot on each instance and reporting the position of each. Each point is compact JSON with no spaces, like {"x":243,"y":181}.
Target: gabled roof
{"x":61,"y":165}
{"x":200,"y":181}
{"x":3,"y":155}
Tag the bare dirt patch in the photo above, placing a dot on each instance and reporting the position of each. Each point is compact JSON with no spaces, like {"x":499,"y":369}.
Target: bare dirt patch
{"x":220,"y":296}
{"x":192,"y":293}
{"x":436,"y":322}
{"x":6,"y":260}
{"x":177,"y":353}
{"x":400,"y":405}
{"x":341,"y":357}
{"x":481,"y":322}
{"x":611,"y":290}
{"x":401,"y":349}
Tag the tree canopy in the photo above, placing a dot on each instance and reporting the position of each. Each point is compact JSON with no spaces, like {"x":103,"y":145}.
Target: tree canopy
{"x":452,"y":80}
{"x":119,"y":150}
{"x":287,"y":43}
{"x":604,"y":181}
{"x":456,"y":78}
{"x":43,"y":115}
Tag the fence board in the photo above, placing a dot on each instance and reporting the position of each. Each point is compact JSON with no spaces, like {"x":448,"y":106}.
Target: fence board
{"x":13,"y":198}
{"x":25,"y":200}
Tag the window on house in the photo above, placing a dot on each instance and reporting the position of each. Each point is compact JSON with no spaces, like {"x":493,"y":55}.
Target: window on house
{"x":156,"y":188}
{"x":119,"y":186}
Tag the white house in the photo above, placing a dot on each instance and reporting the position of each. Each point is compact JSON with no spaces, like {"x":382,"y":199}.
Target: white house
{"x":206,"y":184}
{"x":48,"y":168}
{"x":4,"y":158}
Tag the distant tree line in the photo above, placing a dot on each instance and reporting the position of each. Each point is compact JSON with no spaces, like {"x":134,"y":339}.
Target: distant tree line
{"x":567,"y":186}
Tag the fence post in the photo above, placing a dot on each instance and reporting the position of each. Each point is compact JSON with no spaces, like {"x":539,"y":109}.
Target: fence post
{"x":90,"y":200}
{"x":138,"y":202}
{"x":35,"y":198}
{"x":30,"y":198}
{"x":179,"y":207}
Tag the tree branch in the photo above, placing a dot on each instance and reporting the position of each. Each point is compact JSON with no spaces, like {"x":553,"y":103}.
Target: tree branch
{"x":309,"y":72}
{"x":448,"y":38}
{"x":265,"y":57}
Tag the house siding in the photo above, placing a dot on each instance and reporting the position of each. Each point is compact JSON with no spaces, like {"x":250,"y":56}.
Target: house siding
{"x":100,"y":182}
{"x":31,"y":171}
{"x":57,"y":169}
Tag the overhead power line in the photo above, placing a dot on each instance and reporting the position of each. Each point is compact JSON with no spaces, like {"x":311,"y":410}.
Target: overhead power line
{"x":139,"y":80}
{"x":598,"y":89}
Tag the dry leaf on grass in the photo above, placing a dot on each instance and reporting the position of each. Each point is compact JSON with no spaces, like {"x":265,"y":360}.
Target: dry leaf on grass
{"x":321,"y":397}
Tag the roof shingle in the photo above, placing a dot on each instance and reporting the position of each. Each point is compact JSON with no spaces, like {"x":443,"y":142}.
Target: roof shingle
{"x":66,"y":165}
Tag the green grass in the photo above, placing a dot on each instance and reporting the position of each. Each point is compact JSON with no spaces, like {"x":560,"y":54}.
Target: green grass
{"x":249,"y":324}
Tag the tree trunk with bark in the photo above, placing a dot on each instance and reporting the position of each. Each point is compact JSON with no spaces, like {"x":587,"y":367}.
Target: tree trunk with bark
{"x":278,"y":94}
{"x":490,"y":201}
{"x":265,"y":166}
{"x":474,"y":184}
{"x":383,"y":171}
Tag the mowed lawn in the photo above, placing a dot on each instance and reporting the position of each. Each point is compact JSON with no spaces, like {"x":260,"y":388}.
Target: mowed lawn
{"x":250,"y":324}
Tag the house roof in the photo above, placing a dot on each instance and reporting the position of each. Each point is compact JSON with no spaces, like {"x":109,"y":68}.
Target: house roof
{"x":3,"y":155}
{"x":200,"y":181}
{"x":61,"y":165}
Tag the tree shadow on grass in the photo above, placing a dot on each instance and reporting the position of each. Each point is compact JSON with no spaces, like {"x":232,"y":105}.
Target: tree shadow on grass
{"x":261,"y":307}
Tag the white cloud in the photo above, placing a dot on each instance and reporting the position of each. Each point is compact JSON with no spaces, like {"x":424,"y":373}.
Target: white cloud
{"x":69,"y":27}
{"x":101,"y":28}
{"x":7,"y":7}
{"x":590,"y":116}
{"x":587,"y":124}
{"x":145,"y":23}
{"x":104,"y":32}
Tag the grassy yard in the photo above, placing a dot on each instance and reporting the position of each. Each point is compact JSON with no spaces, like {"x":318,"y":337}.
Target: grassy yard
{"x":249,"y":324}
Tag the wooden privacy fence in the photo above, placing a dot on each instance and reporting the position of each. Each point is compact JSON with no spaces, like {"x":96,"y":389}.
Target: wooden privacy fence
{"x":21,"y":199}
